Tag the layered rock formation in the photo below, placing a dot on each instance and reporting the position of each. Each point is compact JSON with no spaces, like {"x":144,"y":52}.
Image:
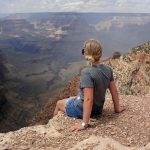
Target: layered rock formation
{"x":132,"y":71}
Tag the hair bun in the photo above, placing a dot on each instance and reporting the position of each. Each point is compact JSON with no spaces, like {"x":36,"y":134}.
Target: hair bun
{"x":89,"y":58}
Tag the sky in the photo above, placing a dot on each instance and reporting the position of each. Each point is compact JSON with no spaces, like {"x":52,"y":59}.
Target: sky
{"x":119,"y":6}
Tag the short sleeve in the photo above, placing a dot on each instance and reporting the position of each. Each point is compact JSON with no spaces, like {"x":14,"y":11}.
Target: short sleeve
{"x":86,"y":79}
{"x":112,"y":76}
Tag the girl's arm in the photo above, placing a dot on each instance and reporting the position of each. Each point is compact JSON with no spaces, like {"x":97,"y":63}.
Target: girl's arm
{"x":87,"y":105}
{"x":115,"y":97}
{"x":87,"y":109}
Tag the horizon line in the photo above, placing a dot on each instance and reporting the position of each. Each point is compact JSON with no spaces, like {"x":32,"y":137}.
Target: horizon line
{"x":74,"y":12}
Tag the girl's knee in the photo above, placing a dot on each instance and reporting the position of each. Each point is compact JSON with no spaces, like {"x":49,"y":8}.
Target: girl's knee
{"x":60,"y":103}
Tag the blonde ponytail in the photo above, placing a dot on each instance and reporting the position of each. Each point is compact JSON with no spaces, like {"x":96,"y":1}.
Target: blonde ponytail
{"x":89,"y":60}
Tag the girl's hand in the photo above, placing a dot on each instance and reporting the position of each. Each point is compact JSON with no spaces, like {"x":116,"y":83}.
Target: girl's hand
{"x":121,"y":109}
{"x":77,"y":127}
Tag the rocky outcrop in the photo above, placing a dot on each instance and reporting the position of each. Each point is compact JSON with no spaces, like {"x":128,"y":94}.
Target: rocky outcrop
{"x":133,"y":77}
{"x":144,"y":48}
{"x":116,"y":55}
{"x":126,"y":131}
{"x":132,"y":71}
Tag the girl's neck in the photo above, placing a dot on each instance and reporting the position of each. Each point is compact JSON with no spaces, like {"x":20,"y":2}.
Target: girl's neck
{"x":96,"y":63}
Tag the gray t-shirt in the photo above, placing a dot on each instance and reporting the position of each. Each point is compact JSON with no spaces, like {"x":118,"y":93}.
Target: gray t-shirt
{"x":97,"y":77}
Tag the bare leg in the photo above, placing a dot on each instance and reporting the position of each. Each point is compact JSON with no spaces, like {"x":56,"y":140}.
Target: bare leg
{"x":60,"y":106}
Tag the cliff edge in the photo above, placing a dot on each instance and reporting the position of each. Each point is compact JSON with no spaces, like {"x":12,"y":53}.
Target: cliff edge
{"x":126,"y":131}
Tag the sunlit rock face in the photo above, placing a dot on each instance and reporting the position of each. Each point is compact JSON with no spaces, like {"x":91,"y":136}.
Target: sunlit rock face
{"x":132,"y":71}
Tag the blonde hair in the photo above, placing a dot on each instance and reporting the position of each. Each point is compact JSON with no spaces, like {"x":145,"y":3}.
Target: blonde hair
{"x":93,"y":50}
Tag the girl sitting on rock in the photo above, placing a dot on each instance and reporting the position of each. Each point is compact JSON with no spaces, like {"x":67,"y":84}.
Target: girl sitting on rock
{"x":94,"y":81}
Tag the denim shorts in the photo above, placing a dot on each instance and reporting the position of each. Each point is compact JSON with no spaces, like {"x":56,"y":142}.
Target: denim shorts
{"x":73,"y":109}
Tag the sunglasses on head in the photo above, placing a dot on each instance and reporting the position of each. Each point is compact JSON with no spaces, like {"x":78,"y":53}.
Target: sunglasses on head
{"x":83,"y":51}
